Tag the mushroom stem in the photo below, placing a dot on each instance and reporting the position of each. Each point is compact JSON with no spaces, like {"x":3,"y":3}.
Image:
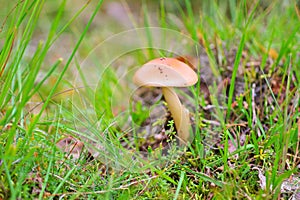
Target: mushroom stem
{"x":179,"y":113}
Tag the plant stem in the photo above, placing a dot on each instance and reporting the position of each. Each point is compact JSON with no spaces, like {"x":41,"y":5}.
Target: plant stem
{"x":179,"y":113}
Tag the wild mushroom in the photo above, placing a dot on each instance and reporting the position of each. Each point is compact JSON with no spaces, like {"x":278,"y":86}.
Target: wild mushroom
{"x":168,"y":73}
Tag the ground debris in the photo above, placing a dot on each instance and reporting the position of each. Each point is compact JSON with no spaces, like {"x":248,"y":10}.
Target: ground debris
{"x":72,"y":146}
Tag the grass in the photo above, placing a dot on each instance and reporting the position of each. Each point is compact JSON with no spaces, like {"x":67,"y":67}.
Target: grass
{"x":73,"y":125}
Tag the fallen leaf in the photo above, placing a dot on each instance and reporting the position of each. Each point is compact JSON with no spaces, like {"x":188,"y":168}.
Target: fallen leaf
{"x":297,"y":9}
{"x":262,"y":178}
{"x":272,"y":52}
{"x":73,"y":147}
{"x":291,"y":185}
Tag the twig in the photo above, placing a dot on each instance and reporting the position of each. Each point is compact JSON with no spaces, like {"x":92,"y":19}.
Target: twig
{"x":244,"y":124}
{"x":211,"y":122}
{"x":254,"y":119}
{"x":144,"y":189}
{"x":60,"y":178}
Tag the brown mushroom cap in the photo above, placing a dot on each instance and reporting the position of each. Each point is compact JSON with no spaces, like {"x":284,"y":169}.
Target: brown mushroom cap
{"x":165,"y":72}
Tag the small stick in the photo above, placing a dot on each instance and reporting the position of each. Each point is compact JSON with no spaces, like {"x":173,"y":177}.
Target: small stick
{"x":253,"y":109}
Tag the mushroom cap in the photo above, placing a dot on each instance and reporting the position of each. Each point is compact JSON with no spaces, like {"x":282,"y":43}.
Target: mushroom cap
{"x":165,"y":72}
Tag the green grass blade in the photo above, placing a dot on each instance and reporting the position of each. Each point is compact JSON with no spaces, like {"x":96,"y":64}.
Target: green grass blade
{"x":31,"y":127}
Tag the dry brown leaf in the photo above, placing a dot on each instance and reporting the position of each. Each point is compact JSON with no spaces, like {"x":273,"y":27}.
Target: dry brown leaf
{"x":201,"y":39}
{"x":291,"y":186}
{"x":73,"y":147}
{"x":262,"y":178}
{"x":297,"y":9}
{"x":271,"y":52}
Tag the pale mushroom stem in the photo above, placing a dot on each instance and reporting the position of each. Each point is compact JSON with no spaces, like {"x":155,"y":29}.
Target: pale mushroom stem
{"x":179,"y":113}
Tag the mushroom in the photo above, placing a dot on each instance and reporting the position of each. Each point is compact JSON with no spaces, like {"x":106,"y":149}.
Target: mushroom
{"x":168,"y":73}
